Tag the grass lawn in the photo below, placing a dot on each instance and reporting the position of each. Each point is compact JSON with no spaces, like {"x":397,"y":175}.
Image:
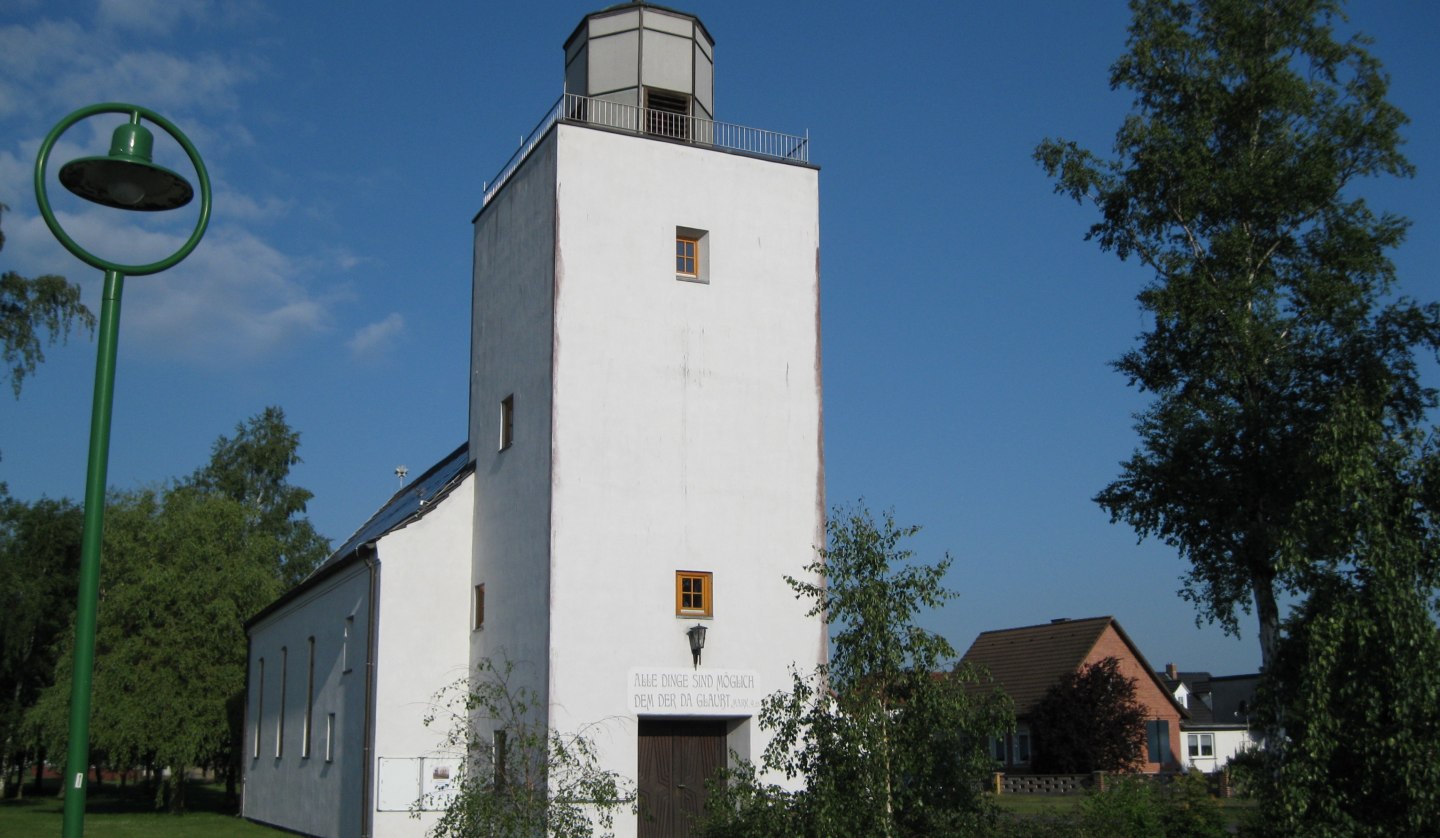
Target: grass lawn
{"x":1036,"y":805}
{"x":111,"y":813}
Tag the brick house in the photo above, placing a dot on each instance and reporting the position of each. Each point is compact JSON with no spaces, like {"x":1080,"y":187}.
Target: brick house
{"x":1026,"y":662}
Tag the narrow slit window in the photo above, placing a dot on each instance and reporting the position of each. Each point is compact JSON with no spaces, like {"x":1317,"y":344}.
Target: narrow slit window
{"x":259,"y":706}
{"x":480,"y":606}
{"x":694,"y":596}
{"x":280,"y":711}
{"x":507,"y":422}
{"x":330,"y":737}
{"x":345,"y":644}
{"x":309,"y":701}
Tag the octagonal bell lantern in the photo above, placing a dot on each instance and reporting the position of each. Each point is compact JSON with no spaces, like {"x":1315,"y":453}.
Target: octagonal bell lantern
{"x":644,"y":68}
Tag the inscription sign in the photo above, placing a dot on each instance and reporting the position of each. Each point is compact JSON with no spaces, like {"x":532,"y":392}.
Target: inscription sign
{"x":694,"y":692}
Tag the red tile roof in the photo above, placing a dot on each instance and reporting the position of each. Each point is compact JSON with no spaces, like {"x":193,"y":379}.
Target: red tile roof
{"x":1028,"y":661}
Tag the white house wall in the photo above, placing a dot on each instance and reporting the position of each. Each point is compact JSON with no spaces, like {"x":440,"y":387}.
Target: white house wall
{"x":511,"y":336}
{"x":309,"y":794}
{"x":423,"y":647}
{"x":687,"y":421}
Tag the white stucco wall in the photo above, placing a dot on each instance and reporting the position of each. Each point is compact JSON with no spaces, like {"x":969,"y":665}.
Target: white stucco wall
{"x":686,"y":420}
{"x":661,"y":425}
{"x":422,"y":627}
{"x":1227,"y":743}
{"x":423,"y":643}
{"x":310,"y":794}
{"x":511,"y":338}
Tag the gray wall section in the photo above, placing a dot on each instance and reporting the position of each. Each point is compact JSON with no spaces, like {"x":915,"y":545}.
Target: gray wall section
{"x":309,"y":794}
{"x":511,"y":339}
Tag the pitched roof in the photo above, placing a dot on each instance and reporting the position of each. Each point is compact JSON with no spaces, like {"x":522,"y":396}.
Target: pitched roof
{"x":412,"y":502}
{"x":1028,"y":661}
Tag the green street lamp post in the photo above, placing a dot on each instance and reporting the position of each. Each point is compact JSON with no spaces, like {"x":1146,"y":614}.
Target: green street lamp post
{"x":124,"y":179}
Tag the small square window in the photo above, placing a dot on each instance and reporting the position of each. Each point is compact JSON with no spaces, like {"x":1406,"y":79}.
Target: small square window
{"x":692,"y":257}
{"x":694,"y":594}
{"x":480,"y":606}
{"x":507,"y":422}
{"x":687,"y":252}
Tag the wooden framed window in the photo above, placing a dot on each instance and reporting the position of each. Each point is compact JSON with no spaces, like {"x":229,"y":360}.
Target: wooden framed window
{"x":692,"y":257}
{"x":694,"y":594}
{"x":480,"y":606}
{"x":687,"y":256}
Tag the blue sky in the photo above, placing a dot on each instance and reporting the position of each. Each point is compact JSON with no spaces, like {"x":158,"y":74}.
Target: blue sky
{"x":967,"y":325}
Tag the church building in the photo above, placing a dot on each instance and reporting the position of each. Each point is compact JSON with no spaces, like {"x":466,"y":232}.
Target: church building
{"x":644,"y":465}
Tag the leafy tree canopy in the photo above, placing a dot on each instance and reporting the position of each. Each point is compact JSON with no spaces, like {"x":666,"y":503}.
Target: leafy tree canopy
{"x":253,"y":468}
{"x":1090,"y":721}
{"x":1287,"y":449}
{"x":34,"y":312}
{"x":1281,"y":361}
{"x":183,"y":568}
{"x":39,"y":561}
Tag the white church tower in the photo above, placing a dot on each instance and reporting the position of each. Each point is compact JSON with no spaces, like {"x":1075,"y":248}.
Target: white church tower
{"x":644,"y":465}
{"x":645,"y":410}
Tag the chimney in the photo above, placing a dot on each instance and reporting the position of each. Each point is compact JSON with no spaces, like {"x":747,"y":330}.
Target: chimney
{"x":1171,"y":673}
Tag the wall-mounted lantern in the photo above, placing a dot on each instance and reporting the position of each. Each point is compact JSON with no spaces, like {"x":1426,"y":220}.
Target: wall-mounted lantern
{"x":696,"y":633}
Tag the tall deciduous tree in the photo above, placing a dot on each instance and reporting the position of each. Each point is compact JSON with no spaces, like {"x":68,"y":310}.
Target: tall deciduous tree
{"x":184,"y":568}
{"x":1090,"y":721}
{"x":253,"y":468}
{"x":34,"y":312}
{"x":1282,"y":363}
{"x":182,"y":573}
{"x":887,"y":744}
{"x":1286,"y":450}
{"x":39,"y":561}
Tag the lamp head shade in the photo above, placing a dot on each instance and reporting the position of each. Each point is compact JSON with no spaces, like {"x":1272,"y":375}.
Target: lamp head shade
{"x":125,"y":178}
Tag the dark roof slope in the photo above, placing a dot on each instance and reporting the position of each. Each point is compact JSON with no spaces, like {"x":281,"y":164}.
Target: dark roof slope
{"x":1232,"y":698}
{"x":1030,"y":660}
{"x":412,"y":501}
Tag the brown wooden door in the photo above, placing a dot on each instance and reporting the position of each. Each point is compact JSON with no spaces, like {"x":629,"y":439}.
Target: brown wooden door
{"x":676,"y":758}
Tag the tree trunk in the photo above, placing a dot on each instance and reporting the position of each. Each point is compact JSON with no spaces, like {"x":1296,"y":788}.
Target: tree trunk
{"x":1268,"y":615}
{"x":232,"y":796}
{"x":177,"y":790}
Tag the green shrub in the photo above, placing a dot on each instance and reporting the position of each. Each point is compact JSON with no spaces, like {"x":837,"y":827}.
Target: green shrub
{"x":1128,"y":807}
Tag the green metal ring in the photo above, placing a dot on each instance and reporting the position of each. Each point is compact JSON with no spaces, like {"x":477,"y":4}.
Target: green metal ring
{"x":43,"y":198}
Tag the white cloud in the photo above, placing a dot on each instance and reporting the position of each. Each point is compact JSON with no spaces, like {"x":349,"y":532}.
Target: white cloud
{"x":239,"y":297}
{"x":153,"y":16}
{"x":377,"y":338}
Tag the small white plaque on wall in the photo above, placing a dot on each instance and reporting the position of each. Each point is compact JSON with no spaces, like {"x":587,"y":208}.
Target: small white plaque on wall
{"x":654,"y":691}
{"x":399,"y":784}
